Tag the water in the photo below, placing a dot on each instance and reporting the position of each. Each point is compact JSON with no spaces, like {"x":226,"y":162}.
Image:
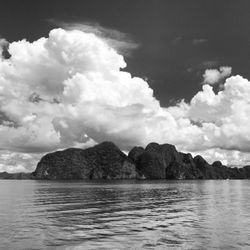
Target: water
{"x":125,"y":215}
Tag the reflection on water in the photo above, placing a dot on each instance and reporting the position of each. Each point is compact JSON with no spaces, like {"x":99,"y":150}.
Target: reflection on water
{"x":125,"y":215}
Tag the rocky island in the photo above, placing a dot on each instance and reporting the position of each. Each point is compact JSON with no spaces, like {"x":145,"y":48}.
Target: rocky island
{"x":107,"y":161}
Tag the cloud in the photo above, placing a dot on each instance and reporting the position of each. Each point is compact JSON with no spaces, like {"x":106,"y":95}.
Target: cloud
{"x":71,"y":89}
{"x":124,"y":43}
{"x":212,"y":76}
{"x":18,"y":162}
{"x":199,"y":41}
{"x":4,"y":45}
{"x":199,"y":66}
{"x":187,"y":40}
{"x":177,"y":40}
{"x":224,"y":116}
{"x":232,"y":158}
{"x":3,"y":42}
{"x":65,"y":88}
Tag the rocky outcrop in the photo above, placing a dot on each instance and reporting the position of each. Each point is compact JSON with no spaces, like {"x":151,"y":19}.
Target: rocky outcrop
{"x":165,"y":162}
{"x":247,"y":171}
{"x":135,"y":154}
{"x":153,"y":161}
{"x":103,"y":161}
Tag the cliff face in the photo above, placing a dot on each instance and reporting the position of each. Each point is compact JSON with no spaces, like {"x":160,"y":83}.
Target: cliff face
{"x":103,"y":161}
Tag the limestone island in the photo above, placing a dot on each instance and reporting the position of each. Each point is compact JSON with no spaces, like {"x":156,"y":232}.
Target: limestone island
{"x":107,"y":161}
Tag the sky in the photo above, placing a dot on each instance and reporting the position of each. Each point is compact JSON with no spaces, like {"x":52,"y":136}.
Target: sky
{"x":75,"y":73}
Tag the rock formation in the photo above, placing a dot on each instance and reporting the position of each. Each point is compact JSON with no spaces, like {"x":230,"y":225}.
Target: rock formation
{"x":15,"y":176}
{"x":165,"y":162}
{"x":107,"y":161}
{"x":103,"y":161}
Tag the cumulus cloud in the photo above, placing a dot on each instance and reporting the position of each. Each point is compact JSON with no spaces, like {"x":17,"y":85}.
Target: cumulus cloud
{"x":122,"y":42}
{"x":212,"y":76}
{"x":66,"y":90}
{"x":71,"y":90}
{"x":224,"y":116}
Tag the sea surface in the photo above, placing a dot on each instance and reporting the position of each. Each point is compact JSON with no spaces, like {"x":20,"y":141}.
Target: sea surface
{"x":212,"y":214}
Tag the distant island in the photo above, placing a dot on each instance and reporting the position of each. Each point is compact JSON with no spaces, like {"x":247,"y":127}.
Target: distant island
{"x":107,"y":161}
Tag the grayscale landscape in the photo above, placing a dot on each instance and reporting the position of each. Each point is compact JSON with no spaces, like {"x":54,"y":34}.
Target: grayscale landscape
{"x":124,"y":124}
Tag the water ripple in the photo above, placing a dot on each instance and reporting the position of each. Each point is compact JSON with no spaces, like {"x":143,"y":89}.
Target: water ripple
{"x":125,"y":215}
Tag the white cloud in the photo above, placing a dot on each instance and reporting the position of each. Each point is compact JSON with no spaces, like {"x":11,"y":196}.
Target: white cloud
{"x":120,"y":41}
{"x":69,"y":90}
{"x":232,"y":158}
{"x":224,"y":116}
{"x":212,"y":76}
{"x":18,"y":162}
{"x":64,"y":88}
